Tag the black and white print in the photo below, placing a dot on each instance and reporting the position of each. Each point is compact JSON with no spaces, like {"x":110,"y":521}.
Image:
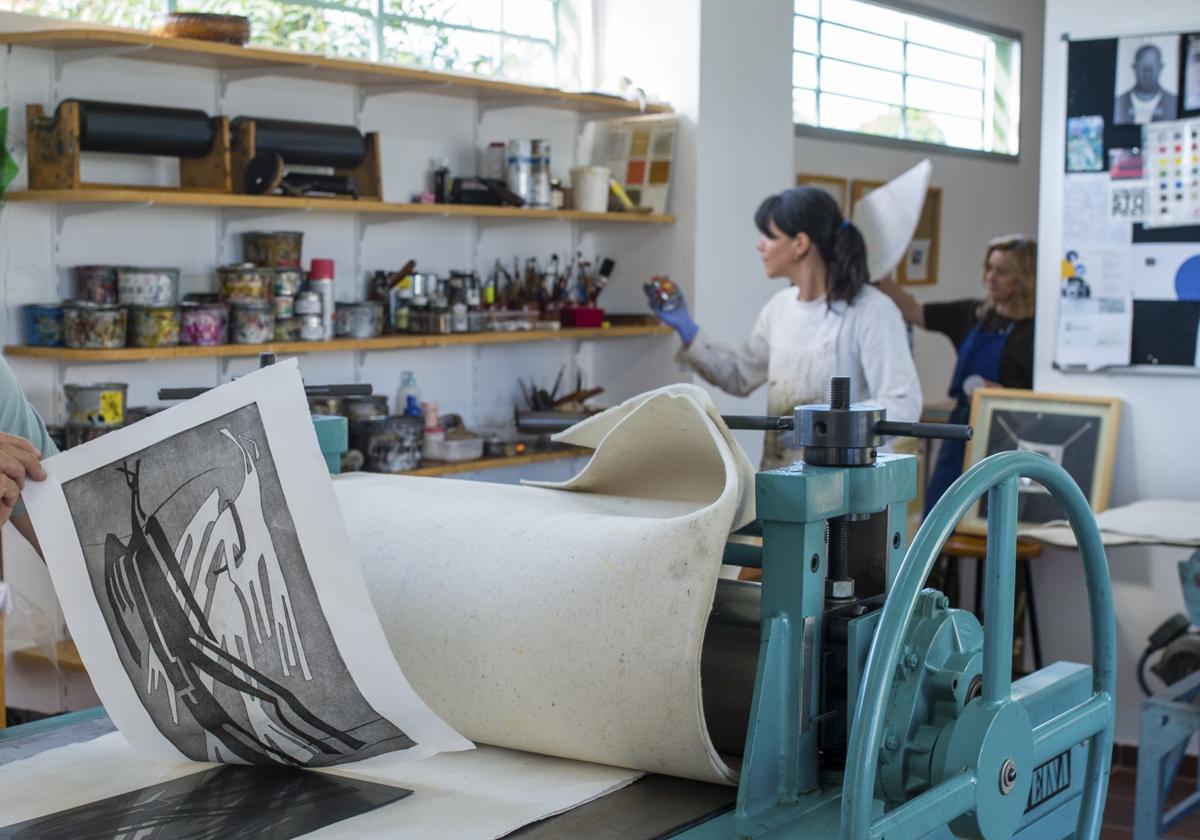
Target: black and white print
{"x":226,"y":803}
{"x":197,"y":569}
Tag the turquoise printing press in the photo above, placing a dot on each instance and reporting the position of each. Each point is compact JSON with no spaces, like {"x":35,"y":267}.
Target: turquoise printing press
{"x":879,"y":711}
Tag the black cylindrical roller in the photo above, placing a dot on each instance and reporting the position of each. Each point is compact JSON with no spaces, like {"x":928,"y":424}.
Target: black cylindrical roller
{"x":310,"y":144}
{"x":143,"y":129}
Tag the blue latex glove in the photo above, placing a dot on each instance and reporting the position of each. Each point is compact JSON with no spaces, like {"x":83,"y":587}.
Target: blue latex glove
{"x":679,"y":320}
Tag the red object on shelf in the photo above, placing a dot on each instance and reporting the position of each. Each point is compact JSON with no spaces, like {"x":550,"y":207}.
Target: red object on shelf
{"x":581,"y":316}
{"x":321,"y":269}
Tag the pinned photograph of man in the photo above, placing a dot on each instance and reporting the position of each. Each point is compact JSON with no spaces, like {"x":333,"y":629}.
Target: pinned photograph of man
{"x":1146,"y":80}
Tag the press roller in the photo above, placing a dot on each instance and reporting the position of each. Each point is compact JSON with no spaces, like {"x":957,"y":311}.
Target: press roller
{"x":878,"y":711}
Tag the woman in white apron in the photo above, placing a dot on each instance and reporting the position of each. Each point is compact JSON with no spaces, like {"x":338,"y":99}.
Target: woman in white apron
{"x":827,"y":322}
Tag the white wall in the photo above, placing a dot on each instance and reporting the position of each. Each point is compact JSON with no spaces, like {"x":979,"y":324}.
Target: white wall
{"x":981,"y":198}
{"x":1156,"y":454}
{"x":726,"y":67}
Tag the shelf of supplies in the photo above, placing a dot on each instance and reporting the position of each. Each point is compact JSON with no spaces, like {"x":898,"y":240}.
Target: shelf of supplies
{"x":435,"y":468}
{"x":187,"y":198}
{"x":341,"y":345}
{"x":74,"y":43}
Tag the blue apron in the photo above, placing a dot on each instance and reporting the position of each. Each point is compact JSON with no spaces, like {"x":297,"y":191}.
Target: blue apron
{"x":979,"y":355}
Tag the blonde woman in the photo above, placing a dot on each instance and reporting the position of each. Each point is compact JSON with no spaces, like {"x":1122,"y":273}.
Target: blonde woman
{"x":993,"y":337}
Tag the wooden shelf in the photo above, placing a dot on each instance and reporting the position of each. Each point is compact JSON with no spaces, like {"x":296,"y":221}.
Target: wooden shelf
{"x":292,"y":348}
{"x":254,"y":60}
{"x":435,"y":468}
{"x":180,"y":198}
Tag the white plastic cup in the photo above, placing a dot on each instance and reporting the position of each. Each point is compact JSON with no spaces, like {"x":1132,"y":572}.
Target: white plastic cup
{"x":590,"y":185}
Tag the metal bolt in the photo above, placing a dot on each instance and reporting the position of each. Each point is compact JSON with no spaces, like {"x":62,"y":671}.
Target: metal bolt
{"x":1008,"y":776}
{"x":911,"y":660}
{"x":839,"y":393}
{"x":892,"y":742}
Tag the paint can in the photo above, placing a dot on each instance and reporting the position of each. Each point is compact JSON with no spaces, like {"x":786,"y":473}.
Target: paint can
{"x":308,"y":303}
{"x":519,"y":170}
{"x":245,"y":283}
{"x":73,"y":437}
{"x":253,"y":323}
{"x":540,"y":175}
{"x":44,"y":325}
{"x":312,"y":328}
{"x":284,"y":306}
{"x":388,"y":444}
{"x":154,"y":326}
{"x":359,"y":320}
{"x":204,"y":323}
{"x":273,"y":249}
{"x":288,"y":281}
{"x":147,"y":286}
{"x":97,"y":283}
{"x":93,"y":326}
{"x":589,"y":185}
{"x":324,"y":290}
{"x":368,"y":407}
{"x":287,"y":329}
{"x":326,"y":406}
{"x":99,"y":406}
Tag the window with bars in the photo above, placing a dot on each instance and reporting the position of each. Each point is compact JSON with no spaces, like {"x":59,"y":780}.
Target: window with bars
{"x":878,"y":70}
{"x":536,"y":41}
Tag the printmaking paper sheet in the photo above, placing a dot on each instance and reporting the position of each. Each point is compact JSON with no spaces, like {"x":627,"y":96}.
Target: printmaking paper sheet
{"x":208,"y":583}
{"x":1150,"y":522}
{"x":887,"y":217}
{"x":566,"y":619}
{"x":475,"y":795}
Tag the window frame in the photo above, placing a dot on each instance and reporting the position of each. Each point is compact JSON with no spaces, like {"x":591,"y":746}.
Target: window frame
{"x":818,"y":132}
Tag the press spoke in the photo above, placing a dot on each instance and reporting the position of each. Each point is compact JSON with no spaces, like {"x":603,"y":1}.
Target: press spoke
{"x":934,"y":808}
{"x":1000,"y":568}
{"x":1073,"y":726}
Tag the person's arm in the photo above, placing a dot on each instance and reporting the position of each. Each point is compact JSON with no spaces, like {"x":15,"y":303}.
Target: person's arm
{"x":911,"y":309}
{"x":24,"y":441}
{"x":1016,"y":360}
{"x":736,"y":372}
{"x":887,"y":363}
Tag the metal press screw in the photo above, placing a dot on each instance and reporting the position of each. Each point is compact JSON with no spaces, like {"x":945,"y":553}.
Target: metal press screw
{"x":1008,"y":776}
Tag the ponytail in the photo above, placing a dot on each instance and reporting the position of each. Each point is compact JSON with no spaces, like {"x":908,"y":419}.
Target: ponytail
{"x":848,"y":268}
{"x":814,"y":212}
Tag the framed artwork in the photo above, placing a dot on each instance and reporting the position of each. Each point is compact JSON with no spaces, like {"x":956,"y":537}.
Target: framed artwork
{"x":1079,"y":433}
{"x":919,"y":267}
{"x":836,"y":187}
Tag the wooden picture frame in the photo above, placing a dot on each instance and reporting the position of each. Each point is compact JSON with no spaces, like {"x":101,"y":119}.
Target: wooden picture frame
{"x":1077,"y":432}
{"x":919,"y":267}
{"x":839,"y":188}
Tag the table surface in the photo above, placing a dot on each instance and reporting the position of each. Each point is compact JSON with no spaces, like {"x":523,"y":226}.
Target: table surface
{"x":652,"y":807}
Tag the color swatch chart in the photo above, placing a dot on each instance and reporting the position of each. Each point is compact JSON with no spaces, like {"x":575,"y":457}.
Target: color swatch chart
{"x":1173,"y":152}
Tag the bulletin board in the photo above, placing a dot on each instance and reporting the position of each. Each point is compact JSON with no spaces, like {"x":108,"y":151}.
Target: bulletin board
{"x":920,"y":264}
{"x":1129,"y":285}
{"x":839,"y":188}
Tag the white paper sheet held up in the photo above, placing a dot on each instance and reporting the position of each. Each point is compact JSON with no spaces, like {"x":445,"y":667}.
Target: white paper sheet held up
{"x":887,"y":217}
{"x":207,"y":579}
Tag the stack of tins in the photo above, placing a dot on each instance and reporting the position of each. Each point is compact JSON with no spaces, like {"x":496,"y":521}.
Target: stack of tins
{"x":379,"y":442}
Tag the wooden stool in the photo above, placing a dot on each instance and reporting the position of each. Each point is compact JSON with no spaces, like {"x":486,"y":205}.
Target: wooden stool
{"x":968,"y":545}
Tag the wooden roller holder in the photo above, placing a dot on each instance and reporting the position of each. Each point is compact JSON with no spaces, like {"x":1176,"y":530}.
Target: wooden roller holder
{"x":54,"y":147}
{"x":367,"y":175}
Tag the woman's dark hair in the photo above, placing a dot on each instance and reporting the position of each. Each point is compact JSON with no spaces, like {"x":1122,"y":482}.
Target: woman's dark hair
{"x":814,"y":212}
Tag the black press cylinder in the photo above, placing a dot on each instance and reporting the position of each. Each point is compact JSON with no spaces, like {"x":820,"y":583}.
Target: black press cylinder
{"x":309,"y":144}
{"x":143,"y":129}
